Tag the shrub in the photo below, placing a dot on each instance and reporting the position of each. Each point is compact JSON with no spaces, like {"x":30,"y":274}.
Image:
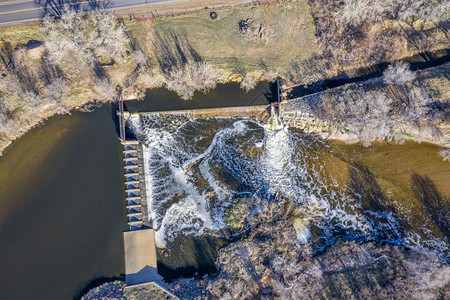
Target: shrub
{"x":398,"y":73}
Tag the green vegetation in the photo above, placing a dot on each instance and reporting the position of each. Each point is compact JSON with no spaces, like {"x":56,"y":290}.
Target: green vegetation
{"x":236,"y":214}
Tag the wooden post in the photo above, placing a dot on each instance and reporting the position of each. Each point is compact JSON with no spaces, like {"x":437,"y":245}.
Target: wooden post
{"x":121,"y":122}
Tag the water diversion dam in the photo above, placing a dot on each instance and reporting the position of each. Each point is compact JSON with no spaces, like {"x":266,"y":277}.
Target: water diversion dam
{"x":74,"y":206}
{"x":198,"y":162}
{"x":139,"y":241}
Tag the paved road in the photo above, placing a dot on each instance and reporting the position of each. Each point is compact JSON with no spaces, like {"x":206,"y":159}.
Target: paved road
{"x":16,"y":12}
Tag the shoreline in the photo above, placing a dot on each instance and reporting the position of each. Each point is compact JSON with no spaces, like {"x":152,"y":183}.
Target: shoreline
{"x":324,"y":133}
{"x":136,"y":79}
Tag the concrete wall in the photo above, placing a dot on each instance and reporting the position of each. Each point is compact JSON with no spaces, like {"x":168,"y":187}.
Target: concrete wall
{"x":258,"y":111}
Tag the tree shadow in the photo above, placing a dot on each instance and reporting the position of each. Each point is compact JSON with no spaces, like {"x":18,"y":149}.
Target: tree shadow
{"x":55,"y":8}
{"x":364,"y":187}
{"x":6,"y":54}
{"x":99,"y":71}
{"x":373,"y":204}
{"x":444,"y":26}
{"x":49,"y":72}
{"x":263,"y":65}
{"x":26,"y":78}
{"x":173,"y":50}
{"x":418,"y":38}
{"x":434,"y":204}
{"x":237,"y":67}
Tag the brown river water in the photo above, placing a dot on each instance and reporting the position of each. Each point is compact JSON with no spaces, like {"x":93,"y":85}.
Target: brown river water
{"x":62,"y":208}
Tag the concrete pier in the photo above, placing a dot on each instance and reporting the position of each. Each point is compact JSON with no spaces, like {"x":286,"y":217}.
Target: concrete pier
{"x":140,"y":256}
{"x":135,"y":186}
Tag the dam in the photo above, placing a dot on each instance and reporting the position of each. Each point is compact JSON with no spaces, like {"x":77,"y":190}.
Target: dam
{"x":141,"y":266}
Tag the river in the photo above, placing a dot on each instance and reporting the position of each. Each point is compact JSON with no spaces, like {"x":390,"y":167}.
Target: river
{"x":62,"y":209}
{"x":198,"y":168}
{"x":62,"y":203}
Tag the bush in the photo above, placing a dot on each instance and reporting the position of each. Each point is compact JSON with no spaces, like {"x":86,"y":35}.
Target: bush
{"x":193,"y":76}
{"x":398,"y":73}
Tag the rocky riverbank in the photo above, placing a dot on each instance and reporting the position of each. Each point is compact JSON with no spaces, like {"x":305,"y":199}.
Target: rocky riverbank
{"x":377,"y":109}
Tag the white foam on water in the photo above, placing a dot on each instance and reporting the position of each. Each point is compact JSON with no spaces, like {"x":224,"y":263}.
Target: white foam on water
{"x":188,"y":216}
{"x":188,"y":172}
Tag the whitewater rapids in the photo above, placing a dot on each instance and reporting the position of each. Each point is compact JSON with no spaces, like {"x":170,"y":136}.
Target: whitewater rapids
{"x":196,"y":167}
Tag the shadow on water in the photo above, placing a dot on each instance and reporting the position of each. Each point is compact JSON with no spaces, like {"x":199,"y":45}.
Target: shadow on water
{"x":95,"y":283}
{"x":189,"y":257}
{"x":364,"y":187}
{"x":224,"y":95}
{"x":435,"y":205}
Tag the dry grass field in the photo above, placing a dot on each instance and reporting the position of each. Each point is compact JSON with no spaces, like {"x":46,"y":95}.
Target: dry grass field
{"x":273,"y":39}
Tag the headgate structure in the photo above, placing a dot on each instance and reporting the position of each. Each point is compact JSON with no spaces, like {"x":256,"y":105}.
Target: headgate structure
{"x":139,"y":240}
{"x":141,"y":265}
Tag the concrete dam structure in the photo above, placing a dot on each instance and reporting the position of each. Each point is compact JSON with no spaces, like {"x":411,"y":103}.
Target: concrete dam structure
{"x":139,"y":241}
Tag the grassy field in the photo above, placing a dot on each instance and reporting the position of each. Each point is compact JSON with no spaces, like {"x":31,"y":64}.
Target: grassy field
{"x":270,"y":44}
{"x":20,"y":34}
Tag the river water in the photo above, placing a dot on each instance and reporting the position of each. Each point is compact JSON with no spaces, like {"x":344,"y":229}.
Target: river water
{"x":62,"y":208}
{"x":197,"y":168}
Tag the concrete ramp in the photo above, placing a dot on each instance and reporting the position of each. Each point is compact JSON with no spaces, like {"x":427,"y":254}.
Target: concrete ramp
{"x":140,"y":257}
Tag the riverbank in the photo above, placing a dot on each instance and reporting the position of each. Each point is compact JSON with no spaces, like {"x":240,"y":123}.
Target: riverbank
{"x":189,"y":51}
{"x":347,"y":269}
{"x":373,"y":110}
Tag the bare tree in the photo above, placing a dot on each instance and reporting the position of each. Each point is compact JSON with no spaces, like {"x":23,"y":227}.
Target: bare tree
{"x":269,"y":264}
{"x":109,"y":37}
{"x":193,"y":76}
{"x":445,"y":154}
{"x":67,"y":35}
{"x":6,"y":122}
{"x":398,"y":73}
{"x":72,"y":33}
{"x":356,"y":12}
{"x":105,"y":89}
{"x":248,"y":83}
{"x":140,"y":57}
{"x":56,"y":94}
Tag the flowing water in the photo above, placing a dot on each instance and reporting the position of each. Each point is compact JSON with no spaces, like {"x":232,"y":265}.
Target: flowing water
{"x":196,"y":167}
{"x":62,"y":211}
{"x":62,"y":208}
